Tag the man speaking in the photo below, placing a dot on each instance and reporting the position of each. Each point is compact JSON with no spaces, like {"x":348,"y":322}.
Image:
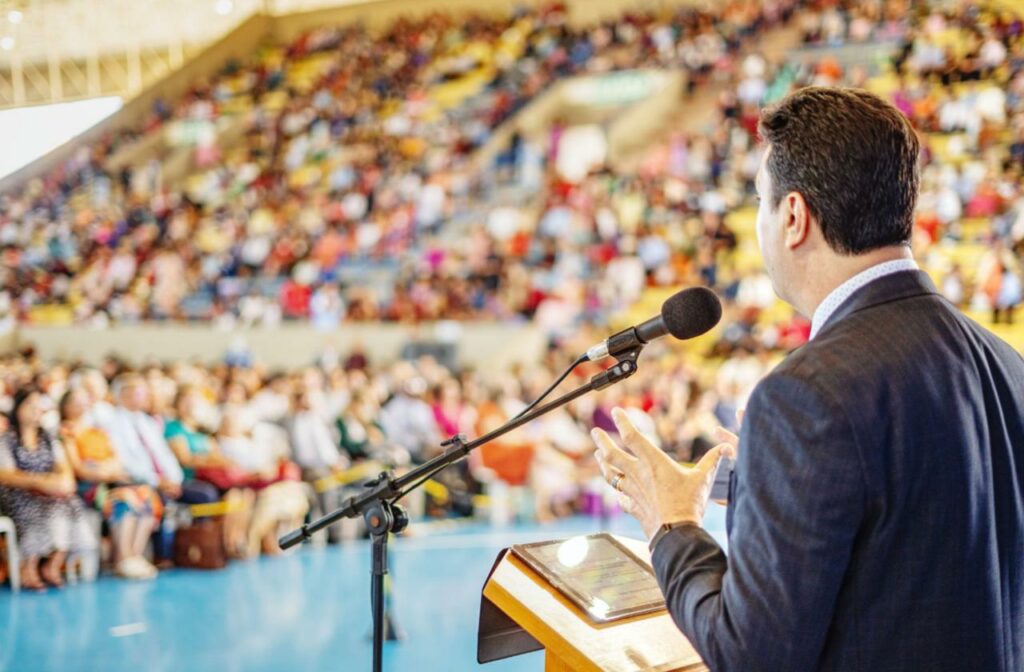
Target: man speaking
{"x":876,"y":517}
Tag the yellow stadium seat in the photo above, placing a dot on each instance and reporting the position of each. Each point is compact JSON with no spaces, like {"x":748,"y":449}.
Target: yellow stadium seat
{"x":51,"y":315}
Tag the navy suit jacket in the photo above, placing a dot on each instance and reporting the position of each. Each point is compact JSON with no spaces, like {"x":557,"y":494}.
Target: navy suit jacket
{"x":877,"y":510}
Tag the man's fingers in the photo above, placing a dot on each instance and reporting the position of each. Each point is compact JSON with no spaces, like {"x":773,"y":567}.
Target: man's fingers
{"x":633,"y":438}
{"x":728,"y":450}
{"x":617,"y":466}
{"x":723,"y":435}
{"x":630,"y":486}
{"x":610,"y":455}
{"x":729,"y":442}
{"x":707,"y":464}
{"x":626,"y":503}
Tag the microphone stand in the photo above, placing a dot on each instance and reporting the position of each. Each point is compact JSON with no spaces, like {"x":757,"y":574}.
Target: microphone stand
{"x":383,"y":516}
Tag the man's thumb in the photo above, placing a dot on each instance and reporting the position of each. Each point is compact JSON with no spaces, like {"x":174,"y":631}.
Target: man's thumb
{"x":709,"y":462}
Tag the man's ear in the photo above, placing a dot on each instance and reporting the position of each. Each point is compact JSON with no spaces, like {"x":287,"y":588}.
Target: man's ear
{"x":796,"y":220}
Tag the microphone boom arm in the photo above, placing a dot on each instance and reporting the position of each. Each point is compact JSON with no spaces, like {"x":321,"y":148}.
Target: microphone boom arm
{"x":386,"y":488}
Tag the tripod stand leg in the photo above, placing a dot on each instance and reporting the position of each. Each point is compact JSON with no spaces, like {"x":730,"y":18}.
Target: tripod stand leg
{"x":392,"y":633}
{"x":379,"y":570}
{"x":381,"y":520}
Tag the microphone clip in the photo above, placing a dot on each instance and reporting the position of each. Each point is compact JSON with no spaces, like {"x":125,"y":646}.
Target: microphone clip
{"x":625,"y":366}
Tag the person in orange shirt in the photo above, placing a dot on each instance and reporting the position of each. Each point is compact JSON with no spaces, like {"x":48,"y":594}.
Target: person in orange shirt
{"x":132,"y":510}
{"x":509,"y":457}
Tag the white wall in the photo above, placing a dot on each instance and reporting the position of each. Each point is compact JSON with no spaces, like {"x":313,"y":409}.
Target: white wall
{"x":287,"y":346}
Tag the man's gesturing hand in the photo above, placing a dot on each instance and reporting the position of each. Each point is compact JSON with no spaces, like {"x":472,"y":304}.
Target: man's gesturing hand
{"x":655,"y":489}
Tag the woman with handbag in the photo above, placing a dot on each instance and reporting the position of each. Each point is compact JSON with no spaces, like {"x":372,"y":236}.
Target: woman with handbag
{"x":132,"y":510}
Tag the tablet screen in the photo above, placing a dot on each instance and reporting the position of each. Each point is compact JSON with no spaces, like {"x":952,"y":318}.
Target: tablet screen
{"x":597,"y":573}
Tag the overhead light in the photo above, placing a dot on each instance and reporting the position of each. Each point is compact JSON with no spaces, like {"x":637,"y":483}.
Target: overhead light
{"x":15,"y":16}
{"x":7,"y":43}
{"x":223,"y":7}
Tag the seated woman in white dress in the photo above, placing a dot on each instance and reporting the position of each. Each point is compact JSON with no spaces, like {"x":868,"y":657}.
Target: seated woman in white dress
{"x":37,"y":491}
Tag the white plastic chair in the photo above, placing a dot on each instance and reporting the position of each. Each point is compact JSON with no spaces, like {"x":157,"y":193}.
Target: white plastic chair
{"x":13,"y":559}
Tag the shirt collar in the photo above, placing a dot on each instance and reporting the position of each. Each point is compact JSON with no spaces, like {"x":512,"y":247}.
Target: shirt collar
{"x":844,"y":291}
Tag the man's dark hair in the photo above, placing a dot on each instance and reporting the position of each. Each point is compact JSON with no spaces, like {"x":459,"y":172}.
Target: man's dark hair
{"x":853,"y":157}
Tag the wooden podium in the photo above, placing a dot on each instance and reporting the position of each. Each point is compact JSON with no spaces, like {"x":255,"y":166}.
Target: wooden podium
{"x":521,"y":612}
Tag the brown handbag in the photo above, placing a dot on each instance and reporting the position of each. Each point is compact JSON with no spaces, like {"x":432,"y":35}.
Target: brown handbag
{"x":200,"y":545}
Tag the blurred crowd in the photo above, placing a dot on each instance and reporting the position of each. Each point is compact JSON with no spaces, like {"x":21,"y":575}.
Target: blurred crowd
{"x":322,"y":172}
{"x":330,"y":171}
{"x":326,"y":175}
{"x":141,"y":445}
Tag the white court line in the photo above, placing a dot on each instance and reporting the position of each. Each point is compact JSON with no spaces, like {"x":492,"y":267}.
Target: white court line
{"x":128,"y":629}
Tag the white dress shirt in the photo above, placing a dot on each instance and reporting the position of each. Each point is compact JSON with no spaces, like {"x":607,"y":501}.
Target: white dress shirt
{"x":138,"y":439}
{"x":314,"y":443}
{"x":844,"y":291}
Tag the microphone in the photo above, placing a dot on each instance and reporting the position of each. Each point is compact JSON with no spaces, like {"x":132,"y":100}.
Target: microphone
{"x":686,"y":314}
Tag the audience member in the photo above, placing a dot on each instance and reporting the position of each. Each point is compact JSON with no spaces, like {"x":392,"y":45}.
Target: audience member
{"x":132,"y":510}
{"x":37,"y":490}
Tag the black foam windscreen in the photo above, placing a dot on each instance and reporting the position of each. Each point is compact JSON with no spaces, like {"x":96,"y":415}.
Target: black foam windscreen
{"x":691,"y":312}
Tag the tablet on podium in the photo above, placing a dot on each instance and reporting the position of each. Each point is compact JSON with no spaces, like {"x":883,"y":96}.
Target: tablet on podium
{"x":591,"y":602}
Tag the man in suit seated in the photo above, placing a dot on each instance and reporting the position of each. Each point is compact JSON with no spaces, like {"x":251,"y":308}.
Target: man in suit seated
{"x":876,"y":517}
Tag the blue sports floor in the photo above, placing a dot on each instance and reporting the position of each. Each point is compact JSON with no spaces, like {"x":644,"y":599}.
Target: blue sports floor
{"x":307,"y":611}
